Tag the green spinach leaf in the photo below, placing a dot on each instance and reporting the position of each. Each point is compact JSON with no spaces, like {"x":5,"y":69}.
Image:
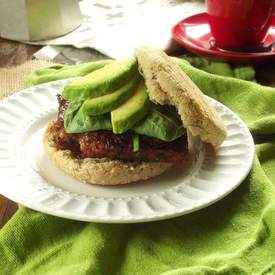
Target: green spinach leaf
{"x":162,"y":123}
{"x":136,"y":142}
{"x":75,"y":121}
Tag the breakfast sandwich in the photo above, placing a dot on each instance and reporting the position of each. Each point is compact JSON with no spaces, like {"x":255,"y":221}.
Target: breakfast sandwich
{"x":129,"y":121}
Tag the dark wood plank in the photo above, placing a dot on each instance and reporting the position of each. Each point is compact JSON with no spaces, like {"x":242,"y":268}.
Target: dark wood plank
{"x":14,"y":53}
{"x":265,"y":74}
{"x":7,"y":209}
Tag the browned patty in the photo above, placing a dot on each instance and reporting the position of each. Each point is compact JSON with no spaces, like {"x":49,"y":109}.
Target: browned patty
{"x":105,"y":144}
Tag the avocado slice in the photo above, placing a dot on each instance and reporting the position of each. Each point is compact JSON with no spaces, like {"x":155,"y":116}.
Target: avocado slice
{"x":131,"y":111}
{"x":102,"y":81}
{"x":107,"y":103}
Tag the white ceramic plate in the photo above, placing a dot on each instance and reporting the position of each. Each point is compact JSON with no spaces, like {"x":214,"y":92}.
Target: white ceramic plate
{"x":27,"y":177}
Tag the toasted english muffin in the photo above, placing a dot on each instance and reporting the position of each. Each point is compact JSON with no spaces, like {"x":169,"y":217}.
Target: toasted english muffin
{"x":100,"y":171}
{"x":168,"y":84}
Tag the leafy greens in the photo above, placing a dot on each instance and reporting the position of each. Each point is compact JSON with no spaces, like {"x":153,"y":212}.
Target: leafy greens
{"x":162,"y":122}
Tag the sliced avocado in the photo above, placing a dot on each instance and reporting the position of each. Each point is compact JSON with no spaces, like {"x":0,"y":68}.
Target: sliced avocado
{"x":107,"y":103}
{"x":102,"y":81}
{"x":131,"y":111}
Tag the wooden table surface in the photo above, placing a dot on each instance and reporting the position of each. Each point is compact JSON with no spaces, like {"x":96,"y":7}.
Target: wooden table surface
{"x":14,"y":53}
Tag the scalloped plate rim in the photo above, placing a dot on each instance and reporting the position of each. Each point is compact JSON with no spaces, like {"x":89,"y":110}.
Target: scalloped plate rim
{"x":127,"y":218}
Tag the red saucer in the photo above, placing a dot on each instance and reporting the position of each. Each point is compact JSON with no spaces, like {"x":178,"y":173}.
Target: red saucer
{"x":193,"y":33}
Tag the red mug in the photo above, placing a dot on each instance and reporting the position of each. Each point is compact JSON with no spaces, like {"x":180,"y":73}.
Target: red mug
{"x":239,"y":24}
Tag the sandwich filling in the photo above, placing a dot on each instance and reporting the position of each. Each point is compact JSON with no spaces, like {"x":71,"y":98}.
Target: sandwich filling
{"x":123,"y":122}
{"x":108,"y":114}
{"x":106,"y":144}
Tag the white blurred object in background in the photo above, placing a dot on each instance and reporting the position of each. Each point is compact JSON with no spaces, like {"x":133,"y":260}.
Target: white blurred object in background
{"x":116,"y":27}
{"x":32,"y":20}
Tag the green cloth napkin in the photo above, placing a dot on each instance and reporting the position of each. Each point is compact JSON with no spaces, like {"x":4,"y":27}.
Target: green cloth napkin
{"x":234,"y":236}
{"x":222,"y":68}
{"x":62,"y":71}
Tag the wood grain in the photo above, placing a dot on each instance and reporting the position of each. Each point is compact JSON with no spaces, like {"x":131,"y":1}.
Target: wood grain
{"x":14,"y":53}
{"x":7,"y":209}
